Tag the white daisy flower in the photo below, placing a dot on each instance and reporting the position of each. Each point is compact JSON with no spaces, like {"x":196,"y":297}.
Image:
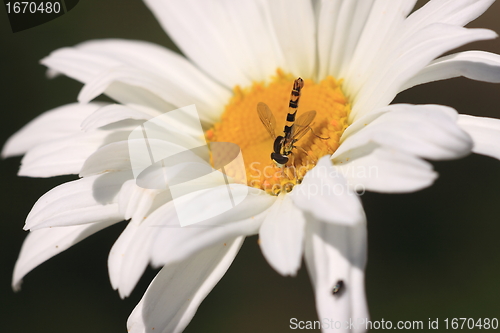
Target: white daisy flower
{"x":354,"y":57}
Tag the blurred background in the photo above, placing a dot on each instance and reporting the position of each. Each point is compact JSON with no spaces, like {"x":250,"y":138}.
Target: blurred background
{"x":432,"y":254}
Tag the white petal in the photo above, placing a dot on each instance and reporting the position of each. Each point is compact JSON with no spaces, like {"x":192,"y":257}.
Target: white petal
{"x":174,"y":243}
{"x":138,"y":203}
{"x":336,"y":253}
{"x":281,"y":236}
{"x":383,"y":22}
{"x":175,"y":294}
{"x":51,"y":125}
{"x":448,"y":11}
{"x":340,"y":24}
{"x":165,"y":90}
{"x":475,"y":65}
{"x":41,"y":245}
{"x":325,"y":193}
{"x":78,"y":65}
{"x":388,"y":171}
{"x":130,"y":253}
{"x":485,"y":133}
{"x":66,"y":155}
{"x":119,"y":281}
{"x":293,"y":23}
{"x":363,"y":121}
{"x":393,"y":37}
{"x":132,"y":151}
{"x":168,"y":65}
{"x":85,"y":66}
{"x":406,"y":59}
{"x":110,"y":158}
{"x":114,"y":113}
{"x":134,"y":77}
{"x":240,"y":42}
{"x":87,"y":200}
{"x":327,"y":19}
{"x":427,"y":131}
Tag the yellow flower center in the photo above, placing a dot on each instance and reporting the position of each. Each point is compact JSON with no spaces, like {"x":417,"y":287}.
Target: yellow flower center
{"x":240,"y":124}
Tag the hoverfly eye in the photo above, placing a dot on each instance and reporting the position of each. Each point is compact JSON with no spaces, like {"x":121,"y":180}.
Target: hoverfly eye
{"x":278,"y":158}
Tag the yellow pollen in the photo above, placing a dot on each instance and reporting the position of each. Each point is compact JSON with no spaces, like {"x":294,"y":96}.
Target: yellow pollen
{"x":240,"y":124}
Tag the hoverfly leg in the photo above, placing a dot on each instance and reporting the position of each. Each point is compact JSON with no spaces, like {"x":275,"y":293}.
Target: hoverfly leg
{"x":301,"y":149}
{"x":318,"y":135}
{"x":305,"y":152}
{"x":285,"y":171}
{"x":294,"y":167}
{"x":292,"y":162}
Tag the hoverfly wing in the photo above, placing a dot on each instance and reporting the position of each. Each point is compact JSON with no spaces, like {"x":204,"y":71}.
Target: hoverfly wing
{"x":267,"y":118}
{"x":301,"y":125}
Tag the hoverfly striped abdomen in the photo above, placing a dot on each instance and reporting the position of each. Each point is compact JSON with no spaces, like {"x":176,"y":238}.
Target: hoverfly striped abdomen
{"x":292,"y":108}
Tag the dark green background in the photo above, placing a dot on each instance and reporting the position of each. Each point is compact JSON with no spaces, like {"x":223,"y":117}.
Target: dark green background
{"x":432,"y":254}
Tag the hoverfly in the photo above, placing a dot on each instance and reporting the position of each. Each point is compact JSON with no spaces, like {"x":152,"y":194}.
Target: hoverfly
{"x":294,"y":129}
{"x":338,"y":288}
